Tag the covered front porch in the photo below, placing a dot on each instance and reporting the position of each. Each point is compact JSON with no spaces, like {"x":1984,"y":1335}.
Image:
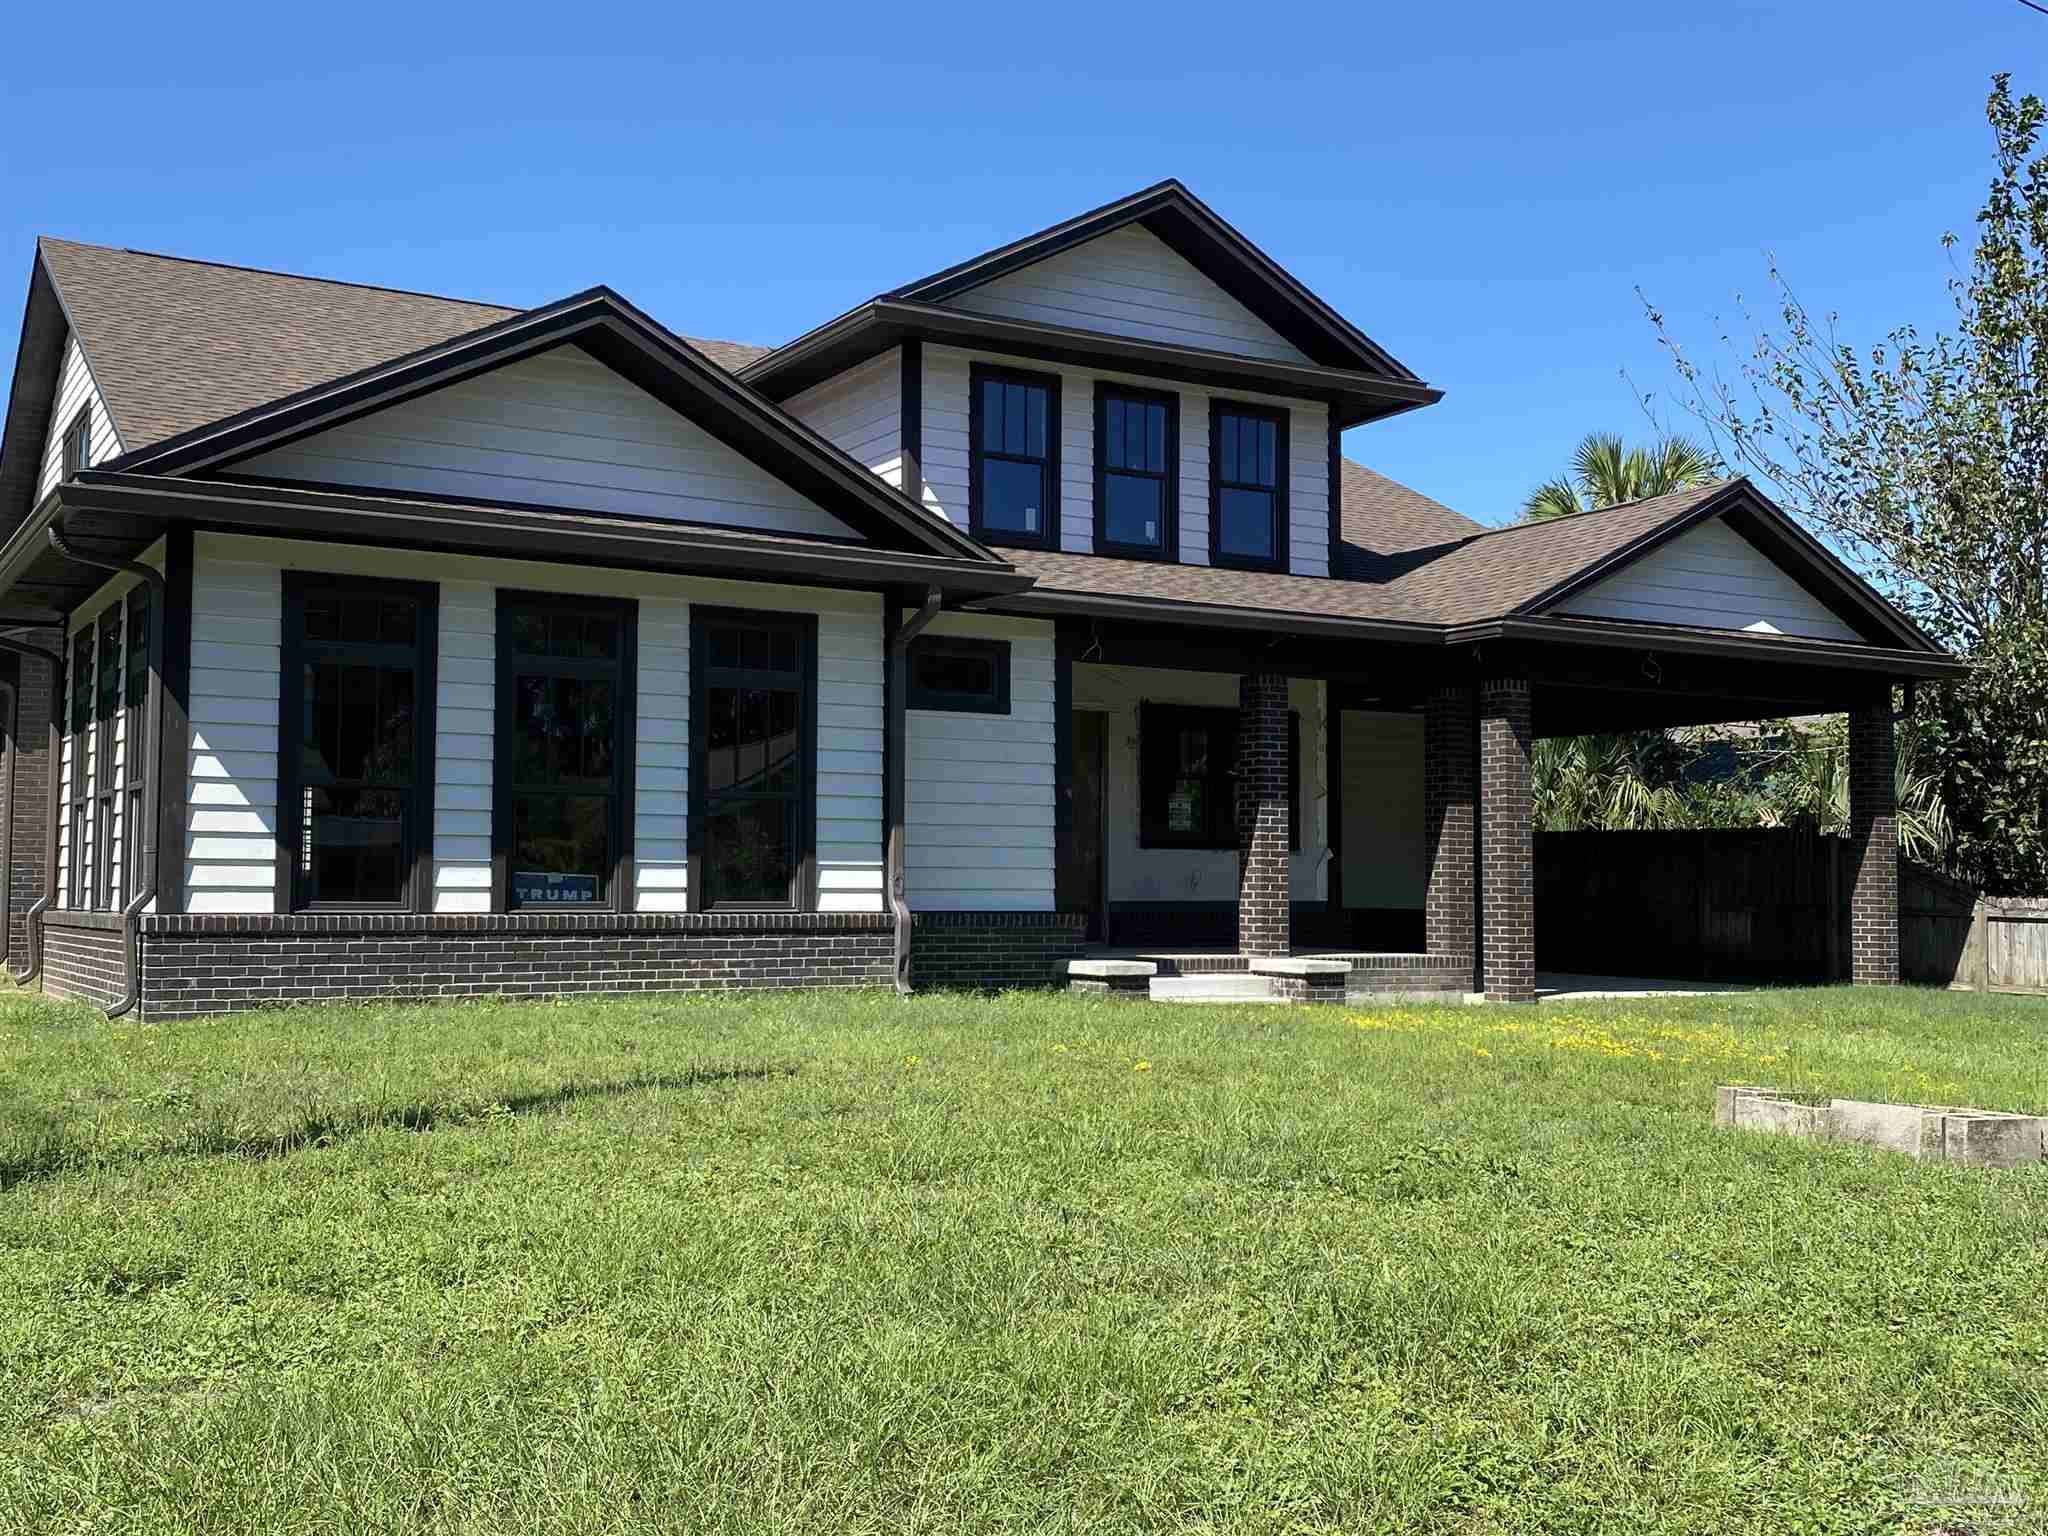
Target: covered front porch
{"x":1351,"y":818}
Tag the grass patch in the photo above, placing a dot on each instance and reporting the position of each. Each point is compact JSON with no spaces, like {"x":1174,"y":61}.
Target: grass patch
{"x":849,"y":1263}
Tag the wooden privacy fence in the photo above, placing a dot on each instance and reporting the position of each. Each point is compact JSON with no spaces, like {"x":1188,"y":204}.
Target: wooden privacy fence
{"x":1763,"y":904}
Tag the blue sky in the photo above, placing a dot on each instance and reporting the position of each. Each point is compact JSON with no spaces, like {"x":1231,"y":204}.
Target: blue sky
{"x":1482,"y":187}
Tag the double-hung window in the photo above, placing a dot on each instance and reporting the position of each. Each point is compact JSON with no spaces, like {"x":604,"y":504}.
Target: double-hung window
{"x":753,"y":761}
{"x":134,"y":738}
{"x":78,"y":774}
{"x":1137,"y":448}
{"x":1247,"y":486}
{"x":357,"y":769}
{"x":1187,"y":777}
{"x":566,"y":695}
{"x":1013,"y":470}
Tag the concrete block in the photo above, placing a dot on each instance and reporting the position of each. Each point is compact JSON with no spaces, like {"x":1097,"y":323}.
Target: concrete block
{"x":1111,"y":978}
{"x":1914,"y":1129}
{"x":1781,"y":1117}
{"x":1979,"y":1140}
{"x":1726,"y":1099}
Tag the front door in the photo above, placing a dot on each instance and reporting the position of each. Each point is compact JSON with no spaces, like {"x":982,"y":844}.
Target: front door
{"x":1091,"y":772}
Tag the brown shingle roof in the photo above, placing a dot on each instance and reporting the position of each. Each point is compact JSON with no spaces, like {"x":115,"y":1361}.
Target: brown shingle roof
{"x":1488,"y":574}
{"x":1502,"y":569}
{"x":1383,"y":518}
{"x":176,"y":344}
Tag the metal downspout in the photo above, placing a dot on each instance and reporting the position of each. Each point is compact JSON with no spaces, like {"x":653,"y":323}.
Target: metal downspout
{"x":152,"y":736}
{"x":899,"y":650}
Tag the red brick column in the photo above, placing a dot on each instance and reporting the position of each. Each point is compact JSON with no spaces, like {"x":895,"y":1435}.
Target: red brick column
{"x":1450,"y":773}
{"x":1264,"y":818}
{"x":1507,"y":846}
{"x":1873,"y":848}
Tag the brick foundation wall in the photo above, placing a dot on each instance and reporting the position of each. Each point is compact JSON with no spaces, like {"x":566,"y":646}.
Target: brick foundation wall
{"x":1873,"y":848}
{"x":991,"y":950}
{"x":1406,"y":974}
{"x":1263,"y":815}
{"x":1449,"y":792}
{"x":29,"y":812}
{"x":1507,"y":848}
{"x":84,"y":957}
{"x":203,"y":964}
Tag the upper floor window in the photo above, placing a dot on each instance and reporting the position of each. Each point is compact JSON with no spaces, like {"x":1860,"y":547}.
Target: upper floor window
{"x":1137,"y":448}
{"x":1248,"y":486}
{"x":78,"y":443}
{"x":1014,"y":474}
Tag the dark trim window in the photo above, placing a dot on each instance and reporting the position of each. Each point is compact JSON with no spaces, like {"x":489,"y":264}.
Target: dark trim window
{"x":1137,"y":472}
{"x":968,"y":677}
{"x":1247,"y":486}
{"x":78,"y":443}
{"x":1187,"y":776}
{"x":753,"y":761}
{"x":356,"y":766}
{"x":134,"y":742}
{"x":106,"y":783}
{"x":78,"y":773}
{"x":1013,"y":470}
{"x":567,"y":698}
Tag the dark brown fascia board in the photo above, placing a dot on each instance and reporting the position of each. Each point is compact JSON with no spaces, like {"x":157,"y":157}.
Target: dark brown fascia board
{"x":882,"y":323}
{"x":603,"y":323}
{"x":1818,"y":568}
{"x":1195,"y":231}
{"x":279,"y":511}
{"x":1617,"y":633}
{"x":1037,"y":602}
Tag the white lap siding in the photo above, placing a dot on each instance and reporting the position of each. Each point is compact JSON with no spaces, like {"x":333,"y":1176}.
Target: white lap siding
{"x":75,"y":392}
{"x":1129,"y":282}
{"x":860,"y":412}
{"x":1713,"y":578}
{"x":1159,"y":875}
{"x":558,"y":430}
{"x":978,"y":832}
{"x":947,"y":371}
{"x":237,"y":597}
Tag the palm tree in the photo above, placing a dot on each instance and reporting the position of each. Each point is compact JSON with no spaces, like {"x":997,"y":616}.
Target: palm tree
{"x":1605,"y":473}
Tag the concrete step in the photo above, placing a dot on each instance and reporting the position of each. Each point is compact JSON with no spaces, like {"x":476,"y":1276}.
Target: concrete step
{"x":1220,"y":987}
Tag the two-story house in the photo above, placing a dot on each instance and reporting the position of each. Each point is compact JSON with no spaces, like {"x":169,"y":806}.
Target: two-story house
{"x":361,"y":642}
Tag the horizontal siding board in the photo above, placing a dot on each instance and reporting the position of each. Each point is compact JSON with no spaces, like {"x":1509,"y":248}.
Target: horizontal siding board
{"x":559,"y":429}
{"x":1129,"y":282}
{"x":1711,"y":577}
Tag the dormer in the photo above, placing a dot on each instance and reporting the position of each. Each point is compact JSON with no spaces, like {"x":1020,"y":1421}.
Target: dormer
{"x":1140,"y":382}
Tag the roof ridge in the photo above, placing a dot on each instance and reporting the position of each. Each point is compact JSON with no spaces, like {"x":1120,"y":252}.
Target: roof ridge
{"x":297,"y":277}
{"x":1641,"y":501}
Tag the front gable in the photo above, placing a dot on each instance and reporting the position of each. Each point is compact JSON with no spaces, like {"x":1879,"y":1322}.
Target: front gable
{"x":1129,"y":282}
{"x":554,"y":429}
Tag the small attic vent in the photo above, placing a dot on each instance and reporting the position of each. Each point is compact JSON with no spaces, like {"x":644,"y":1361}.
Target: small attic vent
{"x":1762,"y":627}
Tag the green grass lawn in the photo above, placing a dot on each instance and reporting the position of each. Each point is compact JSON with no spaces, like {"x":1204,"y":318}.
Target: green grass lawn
{"x":818,"y":1263}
